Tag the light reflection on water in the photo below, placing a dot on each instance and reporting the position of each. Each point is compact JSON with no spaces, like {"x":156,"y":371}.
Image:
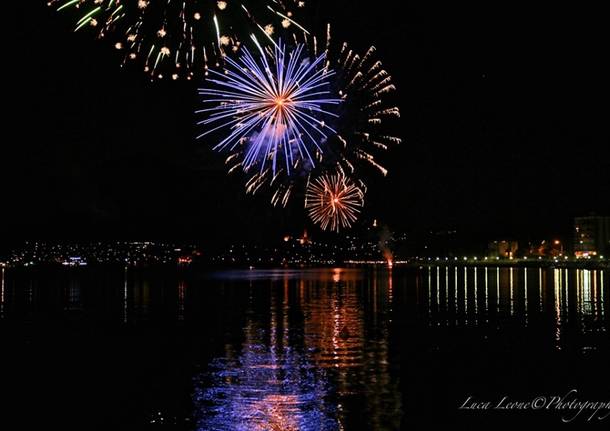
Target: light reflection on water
{"x":322,"y":275}
{"x":2,"y":295}
{"x":508,"y":291}
{"x":331,"y":328}
{"x":266,"y":385}
{"x":296,"y":368}
{"x":476,"y":295}
{"x":323,"y":349}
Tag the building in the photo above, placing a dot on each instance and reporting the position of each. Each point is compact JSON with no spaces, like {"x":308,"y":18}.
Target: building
{"x":591,"y":236}
{"x":503,"y":249}
{"x":546,"y":248}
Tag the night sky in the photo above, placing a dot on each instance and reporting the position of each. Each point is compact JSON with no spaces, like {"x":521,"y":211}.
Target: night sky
{"x":504,"y":122}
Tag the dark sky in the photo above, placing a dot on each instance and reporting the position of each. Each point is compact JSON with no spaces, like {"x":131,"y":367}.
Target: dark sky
{"x":504,"y":120}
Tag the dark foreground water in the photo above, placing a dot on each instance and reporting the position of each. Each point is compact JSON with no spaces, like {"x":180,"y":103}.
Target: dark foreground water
{"x":329,"y":349}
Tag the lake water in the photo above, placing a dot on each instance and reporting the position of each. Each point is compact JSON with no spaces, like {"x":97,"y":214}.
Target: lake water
{"x":314,"y":349}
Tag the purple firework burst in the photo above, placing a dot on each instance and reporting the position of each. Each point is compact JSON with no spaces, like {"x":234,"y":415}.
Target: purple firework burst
{"x":274,"y":109}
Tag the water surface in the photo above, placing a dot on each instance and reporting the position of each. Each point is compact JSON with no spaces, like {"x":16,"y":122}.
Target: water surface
{"x":314,"y":349}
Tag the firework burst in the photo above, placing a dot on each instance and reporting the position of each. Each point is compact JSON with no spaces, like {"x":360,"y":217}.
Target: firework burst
{"x":361,"y":127}
{"x":275,"y":109}
{"x":365,"y":88}
{"x":334,"y":201}
{"x":175,"y":38}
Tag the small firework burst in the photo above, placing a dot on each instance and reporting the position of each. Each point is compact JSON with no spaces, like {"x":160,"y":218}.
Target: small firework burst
{"x":334,"y":201}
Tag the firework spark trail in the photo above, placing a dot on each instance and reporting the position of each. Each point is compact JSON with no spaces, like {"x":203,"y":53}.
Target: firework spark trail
{"x":334,"y":201}
{"x":179,"y":36}
{"x":366,"y":85}
{"x":274,"y":108}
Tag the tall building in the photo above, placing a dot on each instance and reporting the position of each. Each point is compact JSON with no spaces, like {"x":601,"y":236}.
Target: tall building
{"x":591,"y":236}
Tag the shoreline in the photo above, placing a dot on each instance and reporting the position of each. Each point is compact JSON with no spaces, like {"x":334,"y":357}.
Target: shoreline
{"x":589,"y":264}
